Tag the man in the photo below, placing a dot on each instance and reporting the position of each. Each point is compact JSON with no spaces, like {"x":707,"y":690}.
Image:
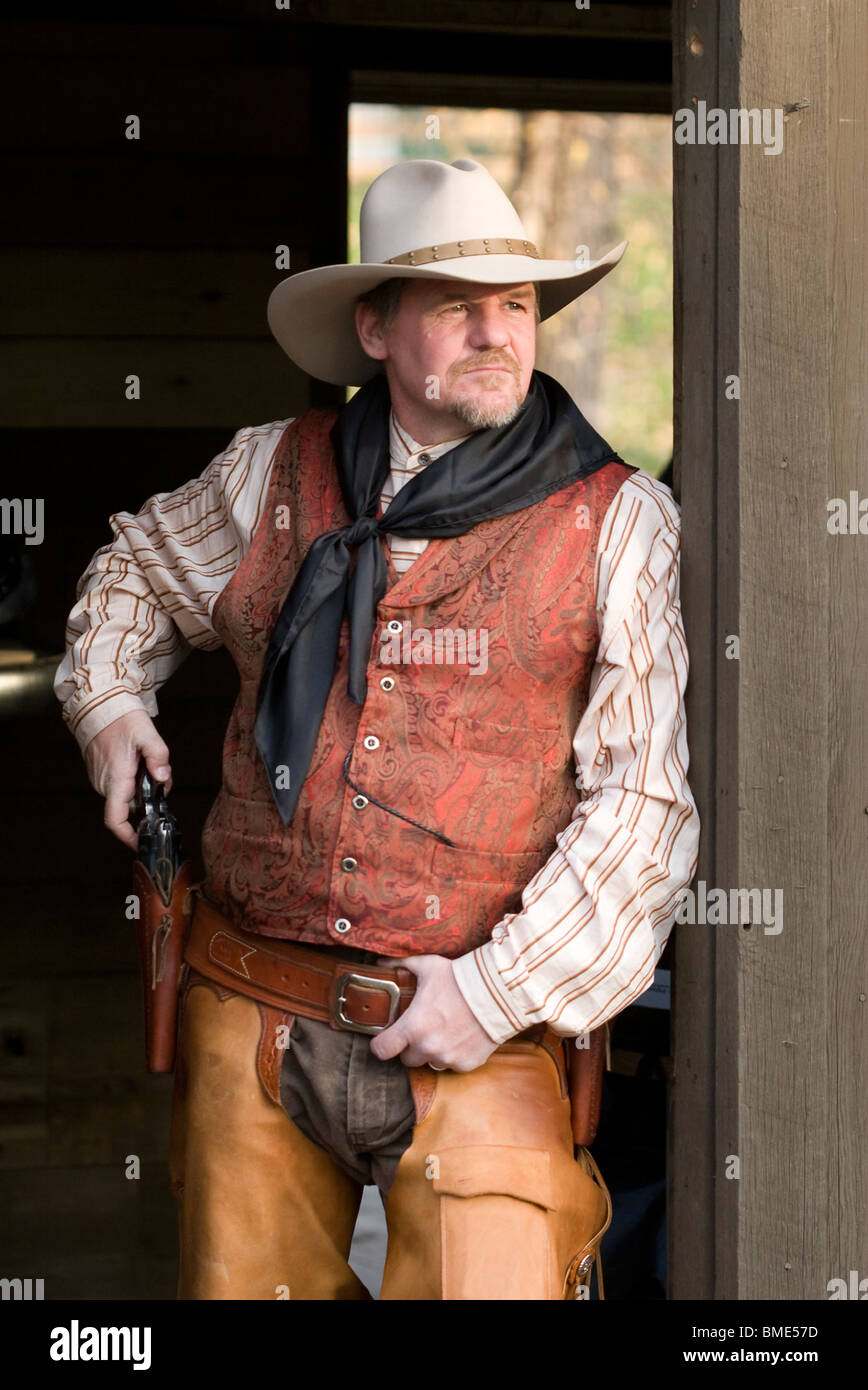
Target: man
{"x":423,"y":870}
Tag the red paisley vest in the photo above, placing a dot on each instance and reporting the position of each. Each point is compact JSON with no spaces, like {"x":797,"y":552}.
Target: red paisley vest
{"x":483,"y":756}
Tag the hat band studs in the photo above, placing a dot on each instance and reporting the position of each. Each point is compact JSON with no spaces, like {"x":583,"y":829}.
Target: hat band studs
{"x":451,"y":250}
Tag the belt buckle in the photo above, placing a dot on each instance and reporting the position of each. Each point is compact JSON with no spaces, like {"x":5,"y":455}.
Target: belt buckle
{"x":367,"y":982}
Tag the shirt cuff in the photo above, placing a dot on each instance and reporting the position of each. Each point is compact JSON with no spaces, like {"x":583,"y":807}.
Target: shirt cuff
{"x":498,"y":1011}
{"x":87,"y":714}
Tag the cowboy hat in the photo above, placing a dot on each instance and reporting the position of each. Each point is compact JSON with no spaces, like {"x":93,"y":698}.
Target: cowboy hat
{"x":422,"y":219}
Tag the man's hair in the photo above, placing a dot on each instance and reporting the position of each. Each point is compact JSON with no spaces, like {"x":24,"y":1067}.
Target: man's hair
{"x":385,"y":298}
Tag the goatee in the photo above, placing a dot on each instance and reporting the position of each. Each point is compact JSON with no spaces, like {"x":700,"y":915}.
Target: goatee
{"x":483,"y":414}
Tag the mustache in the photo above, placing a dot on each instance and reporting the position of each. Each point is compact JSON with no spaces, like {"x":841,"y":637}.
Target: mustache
{"x":488,"y":360}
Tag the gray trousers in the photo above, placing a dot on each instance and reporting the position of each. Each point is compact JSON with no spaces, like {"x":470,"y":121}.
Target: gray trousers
{"x":346,"y":1100}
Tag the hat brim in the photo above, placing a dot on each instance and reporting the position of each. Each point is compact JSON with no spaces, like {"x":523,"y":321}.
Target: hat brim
{"x":312,"y":313}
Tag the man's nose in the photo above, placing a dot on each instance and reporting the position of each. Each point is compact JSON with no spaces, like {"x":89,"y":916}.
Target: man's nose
{"x":488,"y":327}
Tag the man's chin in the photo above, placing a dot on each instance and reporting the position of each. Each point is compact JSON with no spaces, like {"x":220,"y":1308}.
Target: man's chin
{"x":489,"y":410}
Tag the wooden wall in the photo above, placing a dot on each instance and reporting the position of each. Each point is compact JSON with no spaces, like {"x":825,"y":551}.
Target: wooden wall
{"x":155,"y":258}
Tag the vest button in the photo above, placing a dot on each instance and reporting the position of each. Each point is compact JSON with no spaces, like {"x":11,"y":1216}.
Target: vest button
{"x":349,"y":864}
{"x":372,"y":741}
{"x":359,"y":802}
{"x":395,"y":626}
{"x":342,"y":925}
{"x":387,"y":683}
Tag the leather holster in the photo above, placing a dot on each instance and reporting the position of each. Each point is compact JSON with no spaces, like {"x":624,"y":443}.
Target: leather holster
{"x":585,"y":1067}
{"x":161,"y":931}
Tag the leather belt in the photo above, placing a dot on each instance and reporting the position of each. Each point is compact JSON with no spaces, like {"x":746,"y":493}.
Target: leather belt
{"x":361,"y":998}
{"x":343,"y":993}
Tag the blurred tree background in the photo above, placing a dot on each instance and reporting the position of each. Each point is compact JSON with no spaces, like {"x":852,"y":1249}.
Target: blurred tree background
{"x":577,"y":178}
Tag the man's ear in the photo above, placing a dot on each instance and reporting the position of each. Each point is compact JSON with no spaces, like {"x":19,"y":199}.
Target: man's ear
{"x":370,"y":330}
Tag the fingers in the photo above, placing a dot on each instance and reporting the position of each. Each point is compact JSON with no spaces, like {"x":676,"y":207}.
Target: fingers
{"x":401,"y":1040}
{"x":418,"y":1057}
{"x":417,"y":965}
{"x":155,"y":752}
{"x":394,"y":1042}
{"x":117,"y":810}
{"x":112,"y":760}
{"x":390,"y":1042}
{"x":405,"y":1037}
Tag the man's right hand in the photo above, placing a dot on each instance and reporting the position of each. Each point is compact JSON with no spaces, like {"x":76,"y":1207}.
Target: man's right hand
{"x":112,"y":761}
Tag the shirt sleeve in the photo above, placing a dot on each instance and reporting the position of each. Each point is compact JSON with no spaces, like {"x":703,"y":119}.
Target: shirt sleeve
{"x":147,"y":596}
{"x":595,"y":918}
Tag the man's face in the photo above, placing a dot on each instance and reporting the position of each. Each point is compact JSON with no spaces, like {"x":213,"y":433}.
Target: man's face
{"x":456,"y":353}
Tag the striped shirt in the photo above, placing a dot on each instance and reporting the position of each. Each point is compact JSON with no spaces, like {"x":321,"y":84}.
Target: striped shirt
{"x":595,"y":918}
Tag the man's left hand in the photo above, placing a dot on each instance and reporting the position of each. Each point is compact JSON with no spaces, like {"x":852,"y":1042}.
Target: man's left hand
{"x":438,"y":1027}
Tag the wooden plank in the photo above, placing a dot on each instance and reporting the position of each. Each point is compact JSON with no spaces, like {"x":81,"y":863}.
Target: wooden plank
{"x":144,"y":199}
{"x":183,"y":42}
{"x":190,"y":293}
{"x":59,"y":1121}
{"x":788,"y":1044}
{"x":90,"y":1232}
{"x":254,"y":109}
{"x":185,"y":383}
{"x":543,"y":93}
{"x":650,"y":23}
{"x":73,"y":1083}
{"x":92,"y":934}
{"x":848,"y":648}
{"x":691,"y":1167}
{"x":726,"y":848}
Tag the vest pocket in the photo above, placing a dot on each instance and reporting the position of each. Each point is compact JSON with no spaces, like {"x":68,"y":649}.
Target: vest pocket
{"x":510,"y":871}
{"x":521,"y":743}
{"x":509,"y":782}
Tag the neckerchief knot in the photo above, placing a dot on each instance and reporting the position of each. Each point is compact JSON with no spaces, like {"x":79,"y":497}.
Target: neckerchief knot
{"x":360,"y":530}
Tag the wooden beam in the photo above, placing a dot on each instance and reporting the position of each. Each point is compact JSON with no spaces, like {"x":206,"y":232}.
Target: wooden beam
{"x":184,"y":383}
{"x":769,"y":1035}
{"x":650,"y":23}
{"x":509,"y":91}
{"x":846,"y":239}
{"x":705,"y":434}
{"x":240,"y":23}
{"x":183,"y":110}
{"x":156,"y":200}
{"x":804,"y":630}
{"x":192,"y":293}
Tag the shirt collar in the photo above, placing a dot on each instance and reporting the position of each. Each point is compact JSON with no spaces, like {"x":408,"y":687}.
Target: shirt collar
{"x":405,"y":450}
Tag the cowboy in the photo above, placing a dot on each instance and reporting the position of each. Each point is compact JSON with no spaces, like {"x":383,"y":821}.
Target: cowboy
{"x":424,"y":884}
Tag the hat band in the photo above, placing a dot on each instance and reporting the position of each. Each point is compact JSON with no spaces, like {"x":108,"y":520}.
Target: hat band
{"x":451,"y":250}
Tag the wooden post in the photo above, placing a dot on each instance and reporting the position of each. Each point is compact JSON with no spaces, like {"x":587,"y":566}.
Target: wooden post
{"x":771,"y":285}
